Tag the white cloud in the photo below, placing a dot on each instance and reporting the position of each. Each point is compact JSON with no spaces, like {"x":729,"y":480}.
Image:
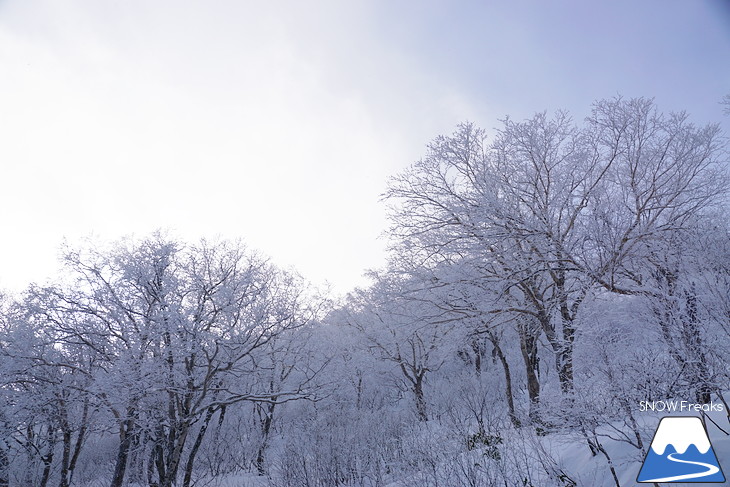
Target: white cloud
{"x":278,"y":122}
{"x":277,"y":125}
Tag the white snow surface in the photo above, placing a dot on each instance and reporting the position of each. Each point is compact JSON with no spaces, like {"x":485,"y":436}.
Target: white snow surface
{"x":570,"y":450}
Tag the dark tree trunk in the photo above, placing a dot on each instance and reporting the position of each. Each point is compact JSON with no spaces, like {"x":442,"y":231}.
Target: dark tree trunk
{"x":151,"y":464}
{"x":126,"y":430}
{"x":4,"y":467}
{"x":562,"y":347}
{"x":196,"y":446}
{"x":66,"y":457}
{"x":478,"y":347}
{"x":48,"y":457}
{"x":563,"y":350}
{"x":174,"y":454}
{"x":507,"y":379}
{"x":568,"y":312}
{"x":80,"y":438}
{"x":566,"y":347}
{"x":135,"y":466}
{"x":415,"y":376}
{"x":358,"y":388}
{"x":600,"y":448}
{"x":565,"y":373}
{"x":528,"y":347}
{"x":265,"y":429}
{"x":692,"y":336}
{"x":685,"y":345}
{"x":420,"y":399}
{"x":72,"y":450}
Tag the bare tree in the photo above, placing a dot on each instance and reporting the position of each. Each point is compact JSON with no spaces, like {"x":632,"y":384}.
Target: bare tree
{"x":176,"y":332}
{"x":552,"y":211}
{"x":402,"y":327}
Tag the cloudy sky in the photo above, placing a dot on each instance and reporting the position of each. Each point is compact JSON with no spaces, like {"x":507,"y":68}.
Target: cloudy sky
{"x":279,"y":122}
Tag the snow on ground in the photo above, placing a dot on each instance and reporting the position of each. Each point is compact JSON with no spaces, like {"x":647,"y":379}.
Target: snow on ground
{"x":593,"y":471}
{"x":569,"y":450}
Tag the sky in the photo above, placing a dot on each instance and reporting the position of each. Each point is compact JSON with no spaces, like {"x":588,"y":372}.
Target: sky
{"x":280,"y":122}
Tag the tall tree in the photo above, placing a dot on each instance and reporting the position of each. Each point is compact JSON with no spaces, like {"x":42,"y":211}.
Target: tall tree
{"x":552,"y":210}
{"x":177,"y":331}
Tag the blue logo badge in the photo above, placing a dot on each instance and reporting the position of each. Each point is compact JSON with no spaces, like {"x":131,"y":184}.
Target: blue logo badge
{"x":681,"y":452}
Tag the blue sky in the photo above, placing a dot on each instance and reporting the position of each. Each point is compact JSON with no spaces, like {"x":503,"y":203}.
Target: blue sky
{"x":279,"y":122}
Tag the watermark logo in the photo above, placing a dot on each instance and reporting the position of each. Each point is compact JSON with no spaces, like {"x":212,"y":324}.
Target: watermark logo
{"x":680,"y":452}
{"x":679,"y":407}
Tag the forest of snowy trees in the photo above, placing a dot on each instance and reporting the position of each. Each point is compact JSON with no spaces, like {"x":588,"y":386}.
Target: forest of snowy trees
{"x":541,"y":283}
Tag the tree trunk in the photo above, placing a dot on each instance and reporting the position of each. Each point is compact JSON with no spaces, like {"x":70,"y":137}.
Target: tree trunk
{"x":125,"y":441}
{"x":48,"y":457}
{"x":79,"y":440}
{"x":692,"y":337}
{"x":567,"y":313}
{"x":566,"y":349}
{"x":194,"y":450}
{"x":687,"y":348}
{"x":600,"y":448}
{"x":135,"y":464}
{"x":358,"y":388}
{"x":265,"y":428}
{"x":4,"y":467}
{"x":175,"y":455}
{"x":565,"y":373}
{"x":507,"y":379}
{"x":415,"y":377}
{"x":66,"y":457}
{"x":420,"y":399}
{"x":562,"y":348}
{"x":151,"y":464}
{"x":478,"y":347}
{"x":528,"y":347}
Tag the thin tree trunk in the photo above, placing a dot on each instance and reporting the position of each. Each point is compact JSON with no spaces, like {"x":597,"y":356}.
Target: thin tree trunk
{"x":478,"y":347}
{"x":125,"y":441}
{"x":415,"y":377}
{"x":4,"y":467}
{"x":358,"y":388}
{"x":135,"y":465}
{"x":566,"y":355}
{"x":562,"y":348}
{"x":589,"y":441}
{"x":265,"y":428}
{"x":420,"y":399}
{"x":48,"y":457}
{"x":66,"y":457}
{"x":568,"y":312}
{"x":600,"y":448}
{"x":175,"y":455}
{"x":151,"y":464}
{"x":157,"y":459}
{"x":528,"y":347}
{"x":693,"y":340}
{"x":30,"y":455}
{"x":194,"y":450}
{"x":79,"y":440}
{"x":507,"y":379}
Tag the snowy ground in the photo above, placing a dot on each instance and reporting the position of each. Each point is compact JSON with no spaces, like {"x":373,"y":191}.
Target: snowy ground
{"x":569,"y":450}
{"x":593,"y":471}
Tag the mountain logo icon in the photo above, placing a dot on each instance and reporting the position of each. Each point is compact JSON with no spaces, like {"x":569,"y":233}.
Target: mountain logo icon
{"x":681,"y":452}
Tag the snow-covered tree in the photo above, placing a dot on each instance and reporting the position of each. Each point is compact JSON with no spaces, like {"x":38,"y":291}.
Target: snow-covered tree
{"x":552,"y":210}
{"x":176,"y":333}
